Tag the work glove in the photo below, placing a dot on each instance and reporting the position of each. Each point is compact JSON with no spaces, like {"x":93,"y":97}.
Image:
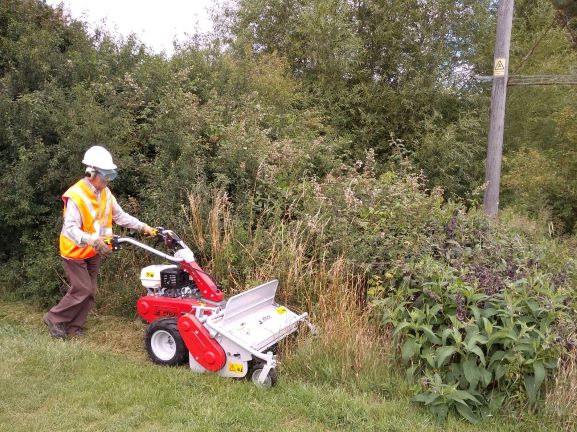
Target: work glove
{"x":149,"y":231}
{"x":100,"y":247}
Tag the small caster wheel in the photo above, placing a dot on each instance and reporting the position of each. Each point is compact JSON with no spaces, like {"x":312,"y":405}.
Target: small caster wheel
{"x":268,"y":382}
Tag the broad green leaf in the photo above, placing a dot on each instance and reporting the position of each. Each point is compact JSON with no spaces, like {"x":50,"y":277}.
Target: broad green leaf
{"x":496,"y":400}
{"x":462,"y":396}
{"x":471,"y":371}
{"x":440,"y":411}
{"x":476,"y":312}
{"x":533,"y":306}
{"x":474,"y":340}
{"x":525,"y":347}
{"x":531,"y":388}
{"x":486,"y":377}
{"x":457,"y":335}
{"x":539,"y":373}
{"x":467,"y":413}
{"x":551,"y":363}
{"x":427,"y":354}
{"x":426,"y":398}
{"x":455,"y":372}
{"x":431,"y":336}
{"x":410,"y":347}
{"x":499,"y":372}
{"x":435,"y":310}
{"x":489,"y":312}
{"x":445,"y":335}
{"x":488,"y":326}
{"x":472,"y":330}
{"x":443,"y":353}
{"x":476,"y":350}
{"x":401,"y":327}
{"x":502,"y":335}
{"x":497,"y":356}
{"x":476,"y":298}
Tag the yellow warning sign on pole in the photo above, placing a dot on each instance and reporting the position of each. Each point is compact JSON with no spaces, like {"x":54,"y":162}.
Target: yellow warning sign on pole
{"x":500,"y":67}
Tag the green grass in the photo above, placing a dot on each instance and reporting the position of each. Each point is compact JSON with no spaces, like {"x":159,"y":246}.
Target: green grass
{"x":104,"y":382}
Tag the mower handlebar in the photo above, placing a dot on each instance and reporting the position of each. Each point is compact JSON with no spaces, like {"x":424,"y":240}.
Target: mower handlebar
{"x":168,"y":237}
{"x":116,"y":240}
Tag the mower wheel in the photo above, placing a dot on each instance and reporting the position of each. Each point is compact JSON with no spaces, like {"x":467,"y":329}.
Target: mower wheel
{"x":164,"y":343}
{"x":269,"y":381}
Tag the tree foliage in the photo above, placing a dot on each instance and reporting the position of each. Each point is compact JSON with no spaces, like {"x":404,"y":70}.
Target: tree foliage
{"x":379,"y":70}
{"x":538,"y":157}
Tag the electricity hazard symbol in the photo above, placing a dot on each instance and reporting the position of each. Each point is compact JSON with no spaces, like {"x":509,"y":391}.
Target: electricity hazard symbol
{"x":500,"y":67}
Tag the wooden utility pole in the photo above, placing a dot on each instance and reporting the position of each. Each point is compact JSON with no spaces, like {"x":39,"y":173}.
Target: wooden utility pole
{"x":498,"y":98}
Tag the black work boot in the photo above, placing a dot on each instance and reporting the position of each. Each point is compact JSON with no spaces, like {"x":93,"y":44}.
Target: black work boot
{"x":56,"y":330}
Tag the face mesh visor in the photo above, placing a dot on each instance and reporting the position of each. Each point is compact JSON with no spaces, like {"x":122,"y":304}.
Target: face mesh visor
{"x":107,"y":175}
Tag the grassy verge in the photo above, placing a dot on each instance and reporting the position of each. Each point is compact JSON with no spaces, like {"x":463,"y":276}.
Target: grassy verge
{"x":104,"y":382}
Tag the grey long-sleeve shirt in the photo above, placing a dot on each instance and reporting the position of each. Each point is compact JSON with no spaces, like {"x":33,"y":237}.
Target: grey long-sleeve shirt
{"x":73,"y":220}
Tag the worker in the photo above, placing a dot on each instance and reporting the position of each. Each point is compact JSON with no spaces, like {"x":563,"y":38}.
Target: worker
{"x":89,"y":210}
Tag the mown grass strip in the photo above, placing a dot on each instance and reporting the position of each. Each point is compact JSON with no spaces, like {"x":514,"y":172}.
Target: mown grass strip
{"x":87,"y":385}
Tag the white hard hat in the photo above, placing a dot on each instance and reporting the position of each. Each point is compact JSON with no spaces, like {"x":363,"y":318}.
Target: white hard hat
{"x":98,"y":157}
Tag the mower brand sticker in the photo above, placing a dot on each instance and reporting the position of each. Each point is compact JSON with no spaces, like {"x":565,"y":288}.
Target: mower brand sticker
{"x":264,"y":318}
{"x":235,"y":367}
{"x":149,"y":274}
{"x":165,"y":312}
{"x":280,"y":310}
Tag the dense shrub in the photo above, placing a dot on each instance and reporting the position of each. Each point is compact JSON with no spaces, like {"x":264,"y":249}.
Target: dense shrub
{"x":480,"y":318}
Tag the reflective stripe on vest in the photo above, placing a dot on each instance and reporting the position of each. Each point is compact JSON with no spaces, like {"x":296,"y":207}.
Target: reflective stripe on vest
{"x":96,"y":218}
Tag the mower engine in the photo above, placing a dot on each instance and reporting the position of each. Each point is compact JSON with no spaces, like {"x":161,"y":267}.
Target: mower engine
{"x":168,"y":281}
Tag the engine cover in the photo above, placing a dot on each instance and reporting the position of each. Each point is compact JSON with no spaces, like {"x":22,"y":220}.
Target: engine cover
{"x":150,"y":276}
{"x":173,"y":278}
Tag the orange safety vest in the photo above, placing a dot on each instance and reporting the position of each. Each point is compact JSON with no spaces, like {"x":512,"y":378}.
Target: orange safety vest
{"x":96,"y":218}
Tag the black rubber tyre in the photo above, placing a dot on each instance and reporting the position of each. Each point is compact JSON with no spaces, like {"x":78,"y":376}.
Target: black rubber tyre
{"x":164,"y":343}
{"x":270,"y":380}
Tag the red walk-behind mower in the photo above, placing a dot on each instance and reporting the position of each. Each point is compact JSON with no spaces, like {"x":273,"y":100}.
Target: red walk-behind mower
{"x":189,"y":320}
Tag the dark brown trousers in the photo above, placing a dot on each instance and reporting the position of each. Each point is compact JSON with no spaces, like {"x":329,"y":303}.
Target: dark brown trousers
{"x":73,"y":308}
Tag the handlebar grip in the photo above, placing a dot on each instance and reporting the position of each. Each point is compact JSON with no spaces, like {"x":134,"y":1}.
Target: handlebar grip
{"x":114,"y":242}
{"x":153,"y":234}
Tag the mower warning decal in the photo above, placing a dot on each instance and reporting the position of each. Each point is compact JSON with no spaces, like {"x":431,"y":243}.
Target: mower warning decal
{"x":280,"y":310}
{"x":149,"y":274}
{"x":235,"y":367}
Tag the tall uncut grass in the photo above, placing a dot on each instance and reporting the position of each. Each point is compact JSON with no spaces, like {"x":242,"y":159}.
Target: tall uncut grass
{"x":347,"y":348}
{"x":561,"y":402}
